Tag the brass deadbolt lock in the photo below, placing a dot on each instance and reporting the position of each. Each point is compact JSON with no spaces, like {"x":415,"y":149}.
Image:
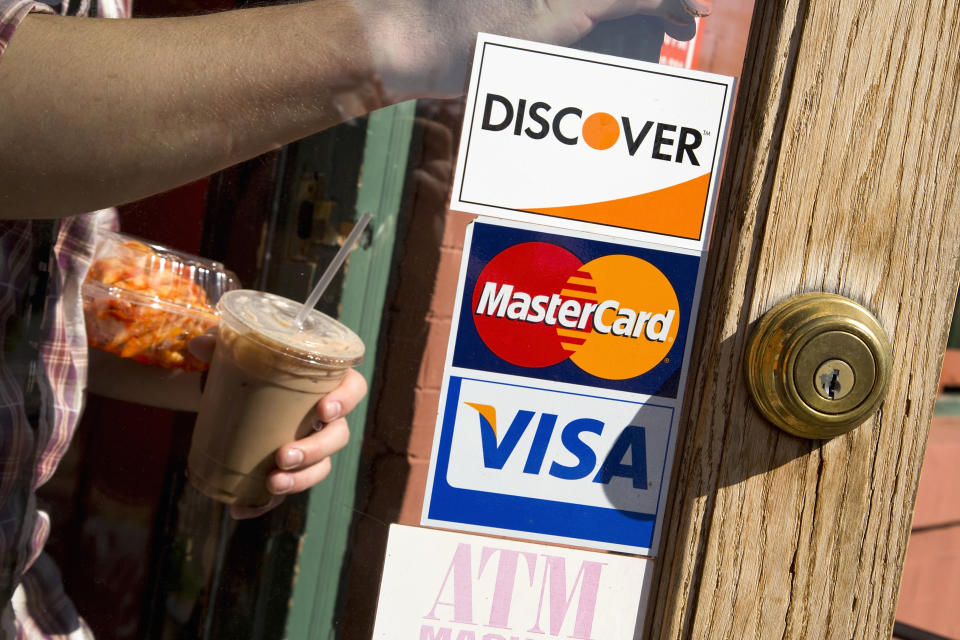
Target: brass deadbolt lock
{"x":818,"y":365}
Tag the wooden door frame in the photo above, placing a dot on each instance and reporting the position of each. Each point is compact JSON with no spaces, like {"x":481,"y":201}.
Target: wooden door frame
{"x":841,"y":176}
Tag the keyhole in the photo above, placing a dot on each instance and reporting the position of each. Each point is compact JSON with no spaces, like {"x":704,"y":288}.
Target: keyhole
{"x":834,"y":379}
{"x":831,"y":384}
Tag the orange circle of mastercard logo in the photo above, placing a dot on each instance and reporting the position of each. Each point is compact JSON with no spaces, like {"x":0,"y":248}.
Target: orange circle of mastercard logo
{"x":601,"y":131}
{"x":536,"y":304}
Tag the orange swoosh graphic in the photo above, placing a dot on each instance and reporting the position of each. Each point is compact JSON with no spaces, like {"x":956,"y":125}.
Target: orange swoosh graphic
{"x":677,"y":210}
{"x":489,"y":413}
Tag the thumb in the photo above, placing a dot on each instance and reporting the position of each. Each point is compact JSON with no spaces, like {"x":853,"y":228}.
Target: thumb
{"x":201,"y":347}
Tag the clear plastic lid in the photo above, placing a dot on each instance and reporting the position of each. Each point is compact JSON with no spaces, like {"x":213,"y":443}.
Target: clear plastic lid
{"x":146,"y":302}
{"x":143,"y":271}
{"x":269,"y":320}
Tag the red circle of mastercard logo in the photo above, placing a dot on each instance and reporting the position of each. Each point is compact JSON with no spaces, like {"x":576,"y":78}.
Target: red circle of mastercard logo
{"x":537,"y":304}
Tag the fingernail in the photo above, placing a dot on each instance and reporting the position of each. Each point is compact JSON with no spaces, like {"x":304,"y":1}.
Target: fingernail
{"x":282,"y":483}
{"x":331,"y":410}
{"x":292,"y":458}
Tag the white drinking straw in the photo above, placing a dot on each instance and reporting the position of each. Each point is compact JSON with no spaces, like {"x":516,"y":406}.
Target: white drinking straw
{"x":332,"y":269}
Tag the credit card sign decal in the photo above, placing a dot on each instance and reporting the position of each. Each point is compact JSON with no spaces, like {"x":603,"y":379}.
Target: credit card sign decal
{"x":450,"y":586}
{"x":591,"y":142}
{"x":561,"y":466}
{"x":562,"y":387}
{"x":559,"y":308}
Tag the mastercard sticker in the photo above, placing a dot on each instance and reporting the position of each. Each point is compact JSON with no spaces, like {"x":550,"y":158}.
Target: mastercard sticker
{"x":562,"y":387}
{"x":563,"y":308}
{"x":591,"y":142}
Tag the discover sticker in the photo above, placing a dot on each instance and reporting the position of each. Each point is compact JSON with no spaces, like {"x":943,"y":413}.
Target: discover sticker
{"x":591,"y":142}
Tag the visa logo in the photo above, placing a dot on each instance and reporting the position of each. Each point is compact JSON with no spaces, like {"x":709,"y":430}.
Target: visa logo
{"x":627,"y":457}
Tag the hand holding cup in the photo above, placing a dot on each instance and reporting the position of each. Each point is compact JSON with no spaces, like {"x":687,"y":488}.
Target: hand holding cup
{"x":274,"y":403}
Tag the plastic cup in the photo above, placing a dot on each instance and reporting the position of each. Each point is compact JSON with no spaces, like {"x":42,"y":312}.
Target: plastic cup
{"x":264,"y":382}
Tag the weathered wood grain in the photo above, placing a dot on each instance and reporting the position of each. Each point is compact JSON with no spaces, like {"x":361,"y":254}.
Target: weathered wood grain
{"x":842,"y":176}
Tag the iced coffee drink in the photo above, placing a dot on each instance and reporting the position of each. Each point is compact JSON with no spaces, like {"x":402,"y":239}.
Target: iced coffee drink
{"x":264,"y":383}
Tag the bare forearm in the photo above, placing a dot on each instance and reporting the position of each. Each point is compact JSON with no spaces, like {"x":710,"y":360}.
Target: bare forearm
{"x":128,"y":108}
{"x":139,"y":106}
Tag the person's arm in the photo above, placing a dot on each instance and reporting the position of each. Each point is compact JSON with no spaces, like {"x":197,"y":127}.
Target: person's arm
{"x":100,"y":112}
{"x":97,"y":112}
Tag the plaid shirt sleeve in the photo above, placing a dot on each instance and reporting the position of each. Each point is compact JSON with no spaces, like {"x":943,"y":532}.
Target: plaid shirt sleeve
{"x":35,"y":605}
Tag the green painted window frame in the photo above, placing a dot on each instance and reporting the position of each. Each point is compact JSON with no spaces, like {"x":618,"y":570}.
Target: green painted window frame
{"x":324,"y":548}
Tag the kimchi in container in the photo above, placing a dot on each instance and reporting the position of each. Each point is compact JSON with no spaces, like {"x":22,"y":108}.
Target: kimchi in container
{"x":142,"y":304}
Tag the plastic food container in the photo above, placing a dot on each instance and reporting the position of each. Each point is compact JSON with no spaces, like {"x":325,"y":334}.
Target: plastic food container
{"x":142,"y":304}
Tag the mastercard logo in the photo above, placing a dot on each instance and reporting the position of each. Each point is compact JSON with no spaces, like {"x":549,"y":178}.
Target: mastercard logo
{"x":536,"y":304}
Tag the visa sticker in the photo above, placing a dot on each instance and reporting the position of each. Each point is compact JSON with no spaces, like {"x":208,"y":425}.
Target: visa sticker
{"x":557,"y":466}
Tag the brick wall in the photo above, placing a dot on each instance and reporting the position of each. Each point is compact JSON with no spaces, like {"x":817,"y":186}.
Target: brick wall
{"x":930,"y":587}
